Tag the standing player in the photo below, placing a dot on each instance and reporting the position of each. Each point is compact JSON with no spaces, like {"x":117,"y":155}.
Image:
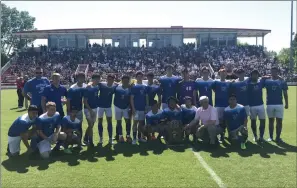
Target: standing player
{"x":236,"y":121}
{"x":222,"y":90}
{"x":204,"y":84}
{"x":121,"y":107}
{"x":91,"y":99}
{"x":106,"y":90}
{"x":48,"y":128}
{"x":153,"y":89}
{"x":20,"y":86}
{"x":75,"y":97}
{"x":276,"y":90}
{"x":168,"y":84}
{"x":255,"y":87}
{"x":186,"y":88}
{"x":54,"y":93}
{"x":35,"y":87}
{"x":139,"y":100}
{"x":19,"y":130}
{"x":188,"y":112}
{"x":239,"y":89}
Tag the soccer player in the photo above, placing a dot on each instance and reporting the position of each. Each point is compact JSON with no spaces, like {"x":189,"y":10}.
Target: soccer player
{"x":186,"y":88}
{"x":154,"y":120}
{"x":153,"y":90}
{"x":168,"y":84}
{"x":139,"y":101}
{"x":91,"y":99}
{"x":35,"y":87}
{"x":188,"y":114}
{"x":54,"y":93}
{"x":75,"y":97}
{"x":255,"y":87}
{"x":121,"y":107}
{"x":106,"y":90}
{"x":71,"y":127}
{"x":19,"y":130}
{"x":222,"y":90}
{"x":276,"y":90}
{"x":204,"y":84}
{"x":239,"y":89}
{"x":48,"y":127}
{"x":235,"y":118}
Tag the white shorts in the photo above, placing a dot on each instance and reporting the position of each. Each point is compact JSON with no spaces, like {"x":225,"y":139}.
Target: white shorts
{"x":108,"y":112}
{"x":220,"y":111}
{"x":275,"y":111}
{"x":14,"y":144}
{"x":247,"y":110}
{"x":80,"y":116}
{"x":120,"y":113}
{"x":164,"y":105}
{"x":45,"y":145}
{"x":139,"y":115}
{"x":88,"y":115}
{"x":257,"y":111}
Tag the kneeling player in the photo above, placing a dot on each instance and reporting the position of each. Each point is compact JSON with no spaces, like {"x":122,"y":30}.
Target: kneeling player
{"x":48,"y":127}
{"x":189,"y":112}
{"x":19,"y":130}
{"x":236,"y":121}
{"x":154,"y":121}
{"x":71,"y":127}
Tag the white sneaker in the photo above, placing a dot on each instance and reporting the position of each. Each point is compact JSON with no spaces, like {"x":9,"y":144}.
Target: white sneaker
{"x":255,"y":139}
{"x":111,"y":141}
{"x":142,"y":140}
{"x":101,"y":141}
{"x":134,"y":142}
{"x":269,"y":139}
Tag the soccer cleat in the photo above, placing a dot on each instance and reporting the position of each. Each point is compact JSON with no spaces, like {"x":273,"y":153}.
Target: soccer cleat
{"x":279,"y":140}
{"x":110,"y":141}
{"x":269,"y":139}
{"x":255,"y":139}
{"x":242,"y":145}
{"x":67,"y":151}
{"x":121,"y":139}
{"x":101,"y":141}
{"x":142,"y":140}
{"x":128,"y":139}
{"x":134,"y":142}
{"x":261,"y":140}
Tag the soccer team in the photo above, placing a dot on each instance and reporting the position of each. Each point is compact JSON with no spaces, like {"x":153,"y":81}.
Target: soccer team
{"x":46,"y":124}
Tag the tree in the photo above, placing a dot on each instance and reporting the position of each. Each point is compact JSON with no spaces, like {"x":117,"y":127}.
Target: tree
{"x":14,"y":21}
{"x":239,"y":43}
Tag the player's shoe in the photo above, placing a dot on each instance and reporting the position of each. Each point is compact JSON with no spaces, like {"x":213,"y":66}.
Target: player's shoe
{"x":269,"y":140}
{"x":142,"y":140}
{"x":128,"y":139}
{"x":121,"y":139}
{"x":67,"y":151}
{"x":242,"y":145}
{"x":100,"y":140}
{"x":261,"y":140}
{"x":116,"y":137}
{"x":279,"y":141}
{"x":111,"y":142}
{"x":134,"y":142}
{"x":255,"y":139}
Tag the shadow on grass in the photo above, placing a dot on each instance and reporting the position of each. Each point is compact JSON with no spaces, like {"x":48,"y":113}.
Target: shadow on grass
{"x":22,"y":110}
{"x":14,"y":108}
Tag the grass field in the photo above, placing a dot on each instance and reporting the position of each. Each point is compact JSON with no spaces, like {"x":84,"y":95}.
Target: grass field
{"x":154,"y":165}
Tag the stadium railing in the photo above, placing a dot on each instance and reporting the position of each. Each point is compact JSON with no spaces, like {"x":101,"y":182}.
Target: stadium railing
{"x":9,"y":63}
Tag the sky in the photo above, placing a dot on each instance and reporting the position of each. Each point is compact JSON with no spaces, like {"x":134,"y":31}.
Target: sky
{"x":273,"y":15}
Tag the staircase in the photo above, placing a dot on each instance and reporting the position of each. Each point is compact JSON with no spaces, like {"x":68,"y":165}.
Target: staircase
{"x":82,"y":68}
{"x":6,"y":77}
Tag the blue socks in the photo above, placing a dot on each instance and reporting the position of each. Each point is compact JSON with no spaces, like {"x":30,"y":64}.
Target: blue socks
{"x":119,"y":129}
{"x":109,"y":128}
{"x":100,"y":130}
{"x":128,"y":128}
{"x":262,"y":129}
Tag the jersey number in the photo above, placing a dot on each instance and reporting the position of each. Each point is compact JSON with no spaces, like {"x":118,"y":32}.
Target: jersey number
{"x":189,"y":88}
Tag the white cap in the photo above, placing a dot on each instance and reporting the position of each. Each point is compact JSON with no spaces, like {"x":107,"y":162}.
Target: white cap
{"x":203,"y":98}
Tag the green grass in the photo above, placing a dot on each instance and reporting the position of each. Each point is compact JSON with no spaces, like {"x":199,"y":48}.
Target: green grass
{"x":151,"y":164}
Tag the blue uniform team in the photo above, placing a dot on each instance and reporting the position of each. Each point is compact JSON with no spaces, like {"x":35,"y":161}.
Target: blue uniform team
{"x":137,"y":102}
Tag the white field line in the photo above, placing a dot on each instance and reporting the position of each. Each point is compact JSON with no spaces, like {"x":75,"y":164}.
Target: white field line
{"x":213,"y":175}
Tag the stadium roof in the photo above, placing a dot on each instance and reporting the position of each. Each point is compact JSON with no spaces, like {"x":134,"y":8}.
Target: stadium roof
{"x":97,"y":33}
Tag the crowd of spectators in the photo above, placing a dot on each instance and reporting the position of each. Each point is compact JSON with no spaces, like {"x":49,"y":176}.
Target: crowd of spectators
{"x":116,"y":60}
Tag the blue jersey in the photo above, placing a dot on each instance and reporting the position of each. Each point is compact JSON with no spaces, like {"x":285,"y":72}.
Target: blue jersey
{"x":188,"y":114}
{"x":55,"y":94}
{"x":235,"y":117}
{"x":75,"y":95}
{"x":255,"y":91}
{"x":48,"y":124}
{"x":106,"y":94}
{"x":154,"y":119}
{"x":36,"y":86}
{"x":168,"y":87}
{"x":152,"y":91}
{"x":185,"y":89}
{"x":139,"y":91}
{"x":170,"y":115}
{"x":205,"y":88}
{"x":21,"y":125}
{"x":274,"y":89}
{"x":67,"y":123}
{"x":122,"y":97}
{"x":222,"y":91}
{"x":239,"y":88}
{"x":92,"y":94}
